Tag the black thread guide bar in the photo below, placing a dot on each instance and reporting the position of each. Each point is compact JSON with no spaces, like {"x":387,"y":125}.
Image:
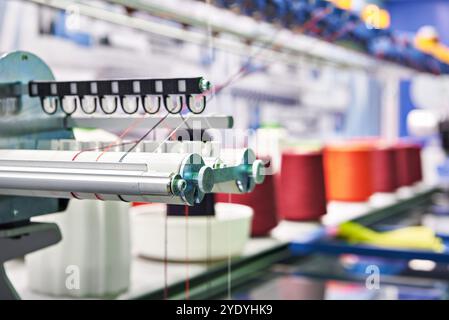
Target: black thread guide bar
{"x":130,"y":94}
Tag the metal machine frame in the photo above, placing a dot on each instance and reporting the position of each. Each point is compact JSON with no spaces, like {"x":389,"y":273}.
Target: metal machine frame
{"x":36,"y":110}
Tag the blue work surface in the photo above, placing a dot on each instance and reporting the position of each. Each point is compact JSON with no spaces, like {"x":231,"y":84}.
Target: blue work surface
{"x":337,"y":247}
{"x":396,"y":216}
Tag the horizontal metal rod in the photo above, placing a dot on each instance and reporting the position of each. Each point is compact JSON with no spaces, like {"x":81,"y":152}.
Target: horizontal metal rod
{"x":106,"y":176}
{"x":63,"y":166}
{"x":142,"y":176}
{"x":145,"y":122}
{"x":168,"y":199}
{"x":154,"y":162}
{"x":13,"y":126}
{"x":85,"y":181}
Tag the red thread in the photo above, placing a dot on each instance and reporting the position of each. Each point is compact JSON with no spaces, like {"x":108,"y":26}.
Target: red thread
{"x":77,"y":154}
{"x":348,"y":28}
{"x":310,"y":25}
{"x":75,"y":195}
{"x":166,"y":258}
{"x":408,"y":163}
{"x":73,"y":159}
{"x":98,"y":197}
{"x":416,"y":163}
{"x":301,"y":195}
{"x":384,"y":169}
{"x":187,"y":282}
{"x":122,"y":135}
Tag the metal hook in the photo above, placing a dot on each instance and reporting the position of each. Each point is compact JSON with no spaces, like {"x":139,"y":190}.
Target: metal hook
{"x":149,"y":109}
{"x":50,"y":100}
{"x":177,"y":107}
{"x":123,"y":102}
{"x":83,"y":105}
{"x":192,"y":104}
{"x":75,"y":105}
{"x":103,"y":107}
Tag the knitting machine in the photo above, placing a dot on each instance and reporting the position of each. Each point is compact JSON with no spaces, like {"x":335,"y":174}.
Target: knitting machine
{"x":39,"y":172}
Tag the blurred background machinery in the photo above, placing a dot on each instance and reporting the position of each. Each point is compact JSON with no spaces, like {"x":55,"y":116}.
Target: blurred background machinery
{"x":165,"y":107}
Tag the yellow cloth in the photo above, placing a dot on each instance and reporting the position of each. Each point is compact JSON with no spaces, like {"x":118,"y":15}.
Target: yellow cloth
{"x":421,"y":238}
{"x":343,"y":4}
{"x":375,"y":16}
{"x":434,"y":47}
{"x":441,"y":52}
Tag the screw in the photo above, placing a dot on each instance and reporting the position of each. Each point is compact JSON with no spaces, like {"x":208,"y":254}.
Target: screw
{"x":205,"y":85}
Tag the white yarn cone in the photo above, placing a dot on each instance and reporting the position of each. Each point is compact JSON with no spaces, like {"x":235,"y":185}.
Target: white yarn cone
{"x":92,"y":260}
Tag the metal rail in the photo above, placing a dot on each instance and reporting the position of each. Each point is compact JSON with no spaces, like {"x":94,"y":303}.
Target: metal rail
{"x":289,"y":47}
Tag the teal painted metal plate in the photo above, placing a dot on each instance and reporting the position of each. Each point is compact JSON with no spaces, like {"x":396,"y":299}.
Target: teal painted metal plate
{"x":28,"y":128}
